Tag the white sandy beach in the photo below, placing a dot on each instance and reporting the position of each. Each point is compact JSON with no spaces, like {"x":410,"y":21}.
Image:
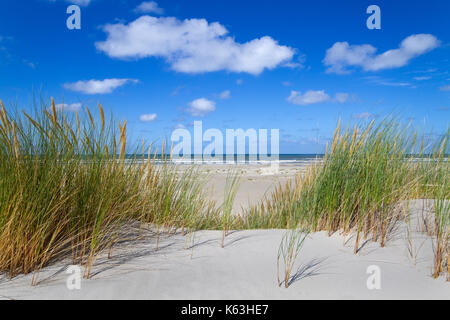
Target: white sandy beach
{"x":256,"y":181}
{"x":194,"y":266}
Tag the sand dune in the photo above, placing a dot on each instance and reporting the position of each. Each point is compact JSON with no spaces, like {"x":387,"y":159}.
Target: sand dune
{"x":194,"y":266}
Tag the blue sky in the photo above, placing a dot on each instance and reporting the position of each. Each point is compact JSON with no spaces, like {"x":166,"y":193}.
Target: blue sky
{"x":297,"y":66}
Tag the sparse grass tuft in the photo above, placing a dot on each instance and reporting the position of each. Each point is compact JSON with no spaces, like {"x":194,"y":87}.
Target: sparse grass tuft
{"x":231,"y":187}
{"x":288,"y":251}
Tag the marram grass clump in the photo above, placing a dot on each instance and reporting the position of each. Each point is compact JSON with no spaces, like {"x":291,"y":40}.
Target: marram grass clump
{"x":66,"y":188}
{"x":366,"y":173}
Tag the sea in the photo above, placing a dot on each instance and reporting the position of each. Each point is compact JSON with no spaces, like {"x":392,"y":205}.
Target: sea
{"x":282,"y":159}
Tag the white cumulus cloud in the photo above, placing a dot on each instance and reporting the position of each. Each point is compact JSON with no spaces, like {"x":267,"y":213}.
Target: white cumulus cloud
{"x":149,"y":7}
{"x":97,"y":86}
{"x":341,"y":55}
{"x":201,"y":107}
{"x":148,"y":117}
{"x":73,"y":107}
{"x":309,"y":97}
{"x":315,"y":96}
{"x":341,"y":97}
{"x":192,"y":46}
{"x":363,"y":115}
{"x":225,"y":95}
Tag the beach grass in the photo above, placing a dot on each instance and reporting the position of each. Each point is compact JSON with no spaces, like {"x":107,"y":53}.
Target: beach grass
{"x":231,"y":187}
{"x":441,"y":194}
{"x":290,"y":246}
{"x":67,"y":188}
{"x":367,"y":171}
